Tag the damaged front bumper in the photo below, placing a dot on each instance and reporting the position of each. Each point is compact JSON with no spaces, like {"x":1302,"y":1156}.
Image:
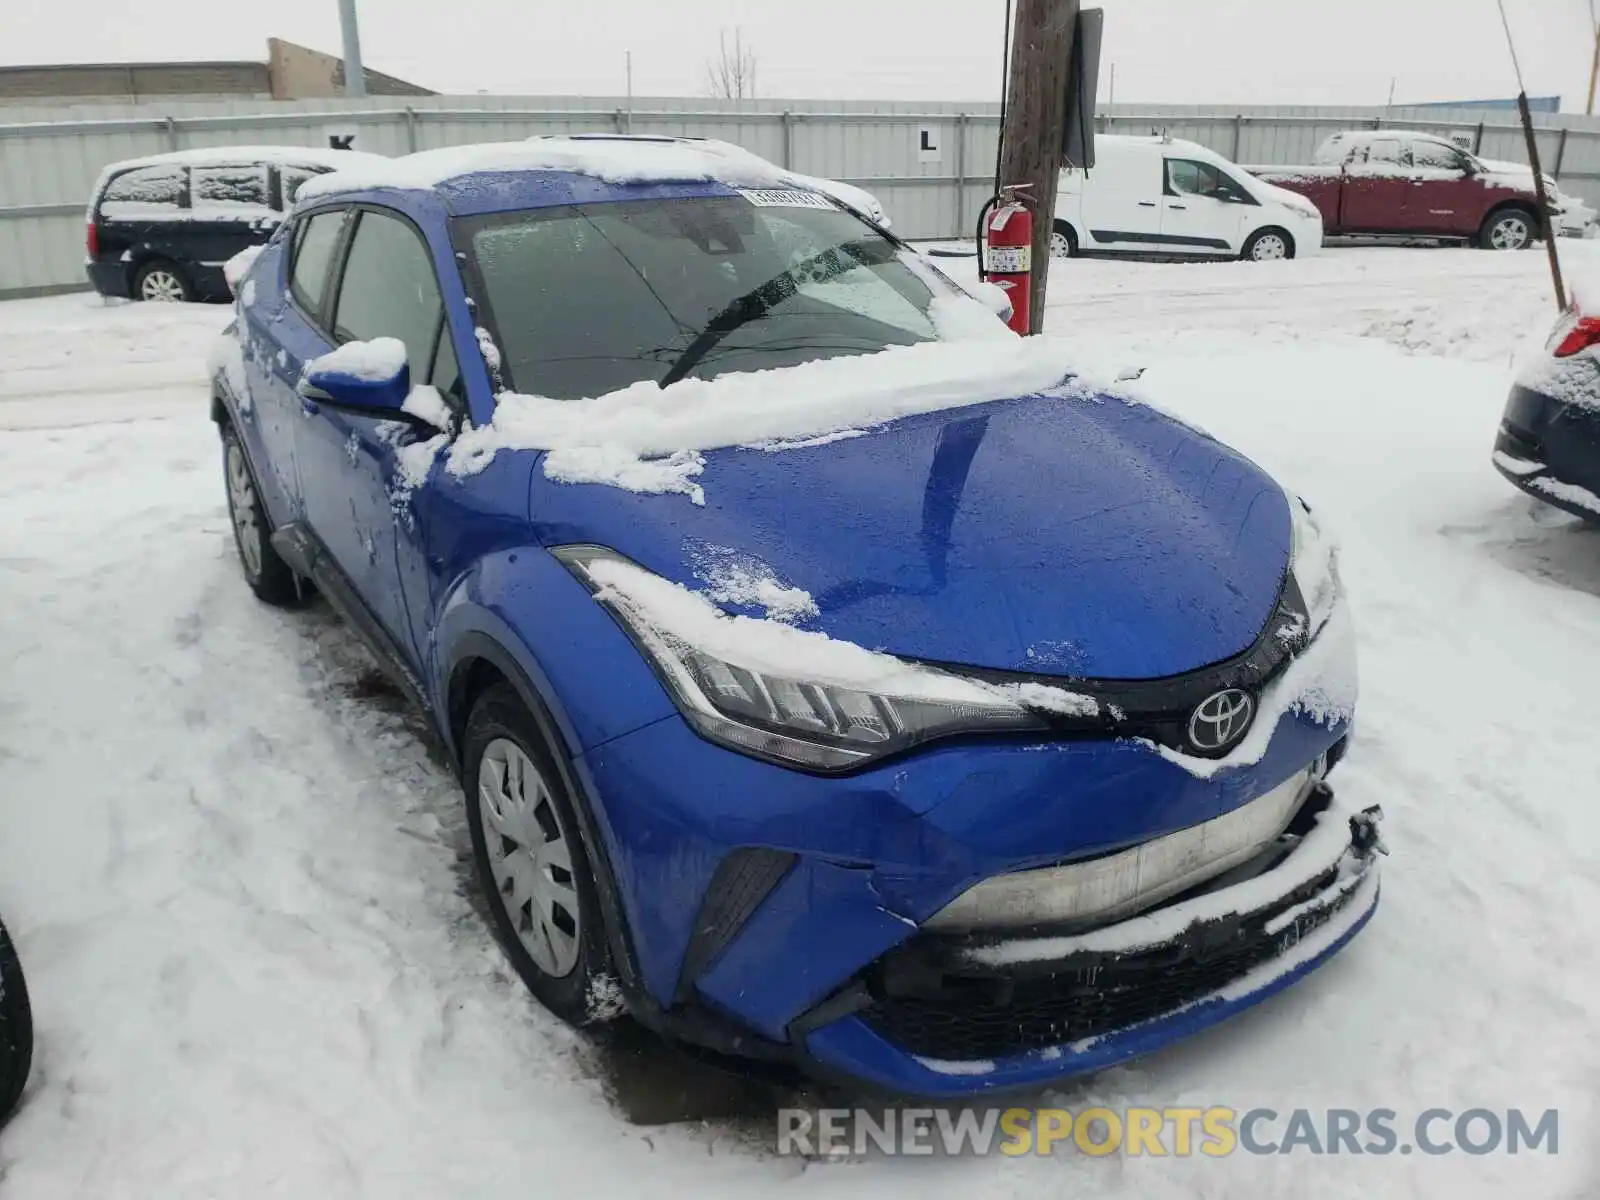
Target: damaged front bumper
{"x":952,"y":1015}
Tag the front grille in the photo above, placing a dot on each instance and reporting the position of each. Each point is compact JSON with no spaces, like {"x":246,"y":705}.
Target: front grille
{"x":969,"y":1018}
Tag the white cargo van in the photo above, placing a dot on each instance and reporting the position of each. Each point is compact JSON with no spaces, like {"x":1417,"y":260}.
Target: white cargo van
{"x":1162,"y":196}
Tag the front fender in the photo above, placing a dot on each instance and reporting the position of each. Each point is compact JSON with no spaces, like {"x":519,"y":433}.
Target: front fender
{"x":571,"y":651}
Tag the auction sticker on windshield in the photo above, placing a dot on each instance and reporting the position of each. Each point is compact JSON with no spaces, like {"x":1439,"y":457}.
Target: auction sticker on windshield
{"x":785,"y":198}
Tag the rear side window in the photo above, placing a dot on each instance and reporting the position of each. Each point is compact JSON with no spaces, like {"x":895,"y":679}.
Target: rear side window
{"x":1386,"y":150}
{"x":230,"y":187}
{"x":314,"y":243}
{"x":389,"y":290}
{"x":146,"y":192}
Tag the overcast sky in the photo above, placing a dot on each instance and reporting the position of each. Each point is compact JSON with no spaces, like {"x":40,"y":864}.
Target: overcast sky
{"x":1179,"y":51}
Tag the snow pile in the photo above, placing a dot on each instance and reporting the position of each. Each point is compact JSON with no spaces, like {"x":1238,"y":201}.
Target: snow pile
{"x":1319,"y":683}
{"x":647,"y":438}
{"x":771,"y":647}
{"x":1052,"y":699}
{"x":1570,"y":493}
{"x":376,"y":361}
{"x":226,"y":358}
{"x":969,"y":313}
{"x":237,"y":267}
{"x":734,"y":577}
{"x":613,"y":160}
{"x":425,"y":403}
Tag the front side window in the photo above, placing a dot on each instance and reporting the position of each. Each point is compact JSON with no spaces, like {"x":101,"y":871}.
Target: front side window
{"x":1437,"y":155}
{"x":230,"y":187}
{"x":589,"y":298}
{"x":315,"y":239}
{"x":146,"y":191}
{"x":388,"y":289}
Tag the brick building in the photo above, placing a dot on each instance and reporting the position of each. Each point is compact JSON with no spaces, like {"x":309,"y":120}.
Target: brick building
{"x":291,"y":72}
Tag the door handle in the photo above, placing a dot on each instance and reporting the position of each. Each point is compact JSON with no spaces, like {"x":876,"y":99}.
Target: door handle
{"x":1177,"y":208}
{"x":1147,"y":204}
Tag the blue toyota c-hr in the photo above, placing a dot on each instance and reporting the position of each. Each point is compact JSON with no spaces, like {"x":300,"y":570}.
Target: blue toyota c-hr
{"x":960,"y":751}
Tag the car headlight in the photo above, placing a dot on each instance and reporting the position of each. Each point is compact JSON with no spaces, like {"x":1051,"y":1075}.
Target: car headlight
{"x":739,"y":681}
{"x":1314,"y":562}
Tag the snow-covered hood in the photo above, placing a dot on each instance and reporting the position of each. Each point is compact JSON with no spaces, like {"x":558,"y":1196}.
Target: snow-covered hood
{"x":1075,"y":535}
{"x":1282,"y":195}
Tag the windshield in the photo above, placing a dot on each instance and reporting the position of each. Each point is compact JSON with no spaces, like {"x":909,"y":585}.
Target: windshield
{"x":585,"y":299}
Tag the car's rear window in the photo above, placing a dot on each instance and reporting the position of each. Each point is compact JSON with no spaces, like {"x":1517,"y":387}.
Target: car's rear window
{"x":590,"y":298}
{"x":146,"y":191}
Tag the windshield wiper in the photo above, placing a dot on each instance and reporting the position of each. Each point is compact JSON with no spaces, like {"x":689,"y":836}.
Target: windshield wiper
{"x":760,"y":301}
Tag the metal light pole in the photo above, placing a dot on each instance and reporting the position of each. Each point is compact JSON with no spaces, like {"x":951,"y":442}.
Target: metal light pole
{"x":355,"y":75}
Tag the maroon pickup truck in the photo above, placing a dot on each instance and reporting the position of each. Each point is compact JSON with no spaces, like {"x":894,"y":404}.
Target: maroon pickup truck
{"x":1392,"y":183}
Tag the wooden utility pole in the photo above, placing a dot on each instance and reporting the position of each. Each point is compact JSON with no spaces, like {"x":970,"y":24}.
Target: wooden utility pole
{"x":1594,"y":72}
{"x":1036,"y":107}
{"x":1547,"y":226}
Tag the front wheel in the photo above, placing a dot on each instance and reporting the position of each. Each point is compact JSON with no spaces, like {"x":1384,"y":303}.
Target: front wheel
{"x":1063,"y":241}
{"x":532,"y":863}
{"x":1508,"y":229}
{"x":16,"y":1028}
{"x":1268,"y":245}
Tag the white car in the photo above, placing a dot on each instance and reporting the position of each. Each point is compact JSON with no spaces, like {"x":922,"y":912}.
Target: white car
{"x":1163,"y":196}
{"x":852,"y":197}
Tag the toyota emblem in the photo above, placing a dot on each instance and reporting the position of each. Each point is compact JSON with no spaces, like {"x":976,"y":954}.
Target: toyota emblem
{"x":1221,"y":720}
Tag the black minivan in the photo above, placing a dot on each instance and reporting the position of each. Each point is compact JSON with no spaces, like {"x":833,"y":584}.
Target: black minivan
{"x":160,"y":228}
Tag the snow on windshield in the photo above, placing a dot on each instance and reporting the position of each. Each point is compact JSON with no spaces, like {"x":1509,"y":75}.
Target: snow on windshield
{"x":647,"y":438}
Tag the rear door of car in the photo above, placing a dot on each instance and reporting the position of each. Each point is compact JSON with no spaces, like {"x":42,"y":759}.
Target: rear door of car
{"x":230,"y":209}
{"x":1202,"y":208}
{"x":386,"y":286}
{"x":1377,"y":187}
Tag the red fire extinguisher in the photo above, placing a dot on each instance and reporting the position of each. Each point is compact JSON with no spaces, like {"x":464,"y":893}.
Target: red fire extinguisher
{"x":1005,"y":240}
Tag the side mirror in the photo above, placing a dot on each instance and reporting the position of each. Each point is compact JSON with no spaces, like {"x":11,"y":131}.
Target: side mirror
{"x":368,"y":379}
{"x":993,"y":297}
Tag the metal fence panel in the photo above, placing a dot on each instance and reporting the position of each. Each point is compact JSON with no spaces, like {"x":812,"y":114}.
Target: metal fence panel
{"x":51,"y":156}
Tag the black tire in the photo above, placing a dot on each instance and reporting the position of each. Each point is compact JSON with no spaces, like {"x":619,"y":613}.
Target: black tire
{"x":270,"y":578}
{"x":586,"y":993}
{"x":1260,"y":238}
{"x":1065,"y":230}
{"x":16,"y":1028}
{"x":161,"y":269}
{"x":1504,"y":219}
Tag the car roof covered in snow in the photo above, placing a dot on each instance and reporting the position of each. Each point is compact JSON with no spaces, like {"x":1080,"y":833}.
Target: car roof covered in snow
{"x":494,"y":176}
{"x":225,"y":156}
{"x":1341,"y":143}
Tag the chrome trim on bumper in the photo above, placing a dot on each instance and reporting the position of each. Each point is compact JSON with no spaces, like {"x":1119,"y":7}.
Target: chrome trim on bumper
{"x":1118,"y":885}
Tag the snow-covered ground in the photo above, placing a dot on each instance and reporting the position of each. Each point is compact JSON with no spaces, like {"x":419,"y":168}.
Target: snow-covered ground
{"x":235,"y":868}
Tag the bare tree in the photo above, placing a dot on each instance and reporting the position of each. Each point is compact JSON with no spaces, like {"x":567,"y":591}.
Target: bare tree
{"x":732,"y":74}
